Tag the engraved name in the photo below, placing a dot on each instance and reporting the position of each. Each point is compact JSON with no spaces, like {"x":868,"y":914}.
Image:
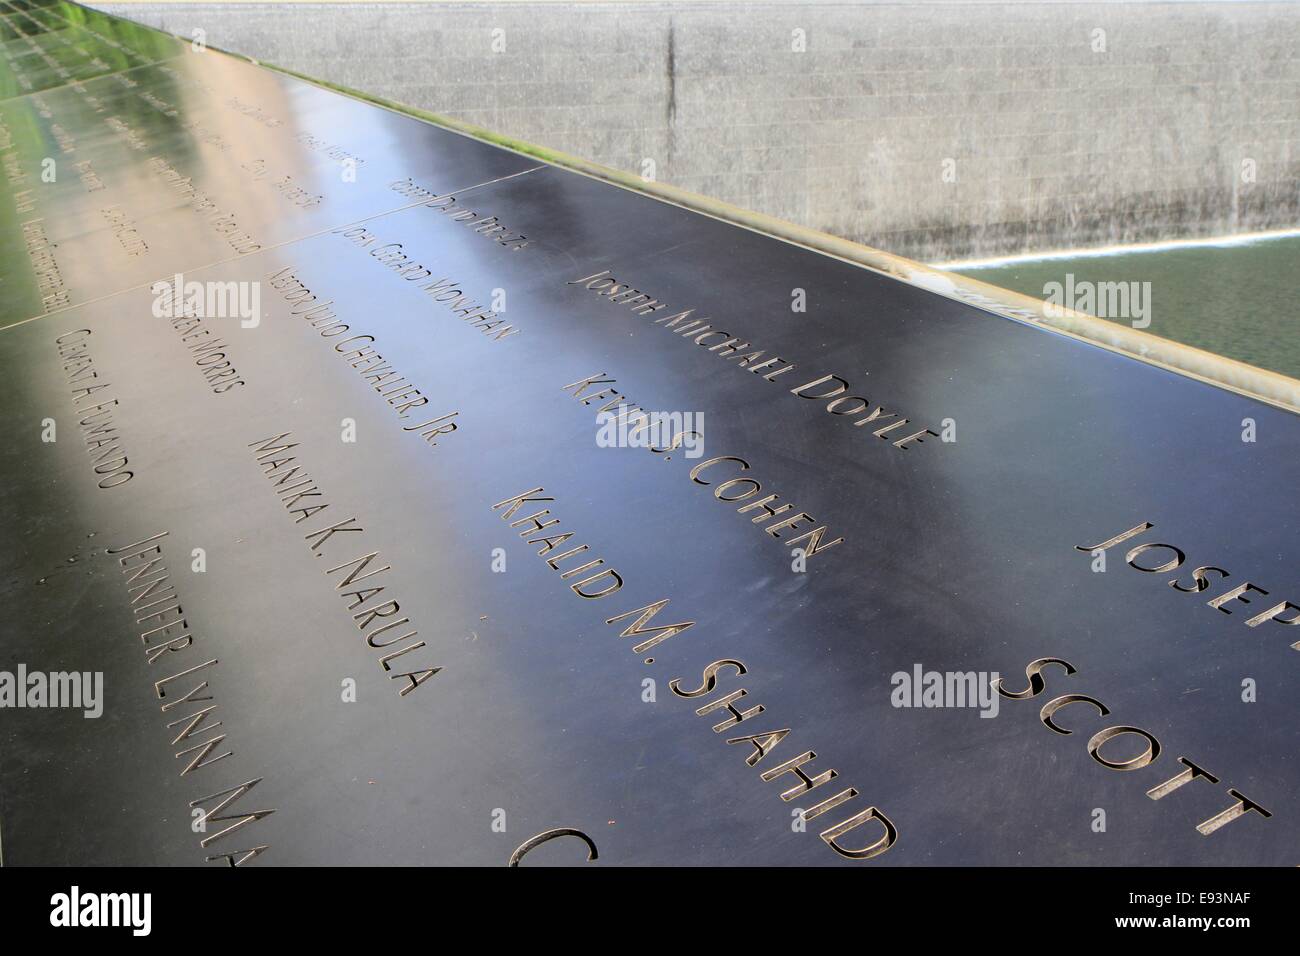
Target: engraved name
{"x":49,"y":278}
{"x":1158,"y":558}
{"x":210,"y":351}
{"x":97,"y":425}
{"x":805,"y":781}
{"x":1147,"y":755}
{"x":222,"y":223}
{"x":156,"y":606}
{"x":481,"y":224}
{"x":374,"y":612}
{"x":597,"y":580}
{"x":445,"y":291}
{"x":741,"y":487}
{"x":359,"y":352}
{"x":832,"y":389}
{"x":543,"y":524}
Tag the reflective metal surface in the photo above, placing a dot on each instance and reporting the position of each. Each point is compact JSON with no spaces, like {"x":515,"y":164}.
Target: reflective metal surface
{"x":332,"y":628}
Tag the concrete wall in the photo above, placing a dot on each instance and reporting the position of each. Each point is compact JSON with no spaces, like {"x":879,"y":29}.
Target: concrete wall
{"x":1054,"y":141}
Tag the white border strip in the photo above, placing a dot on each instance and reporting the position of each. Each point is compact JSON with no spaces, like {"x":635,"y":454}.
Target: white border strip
{"x":1238,"y":239}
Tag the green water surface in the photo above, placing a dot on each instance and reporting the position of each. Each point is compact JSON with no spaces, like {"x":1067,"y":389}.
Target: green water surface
{"x":1236,"y":300}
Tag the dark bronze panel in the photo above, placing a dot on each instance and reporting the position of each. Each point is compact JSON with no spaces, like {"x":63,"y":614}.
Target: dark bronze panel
{"x":537,"y":701}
